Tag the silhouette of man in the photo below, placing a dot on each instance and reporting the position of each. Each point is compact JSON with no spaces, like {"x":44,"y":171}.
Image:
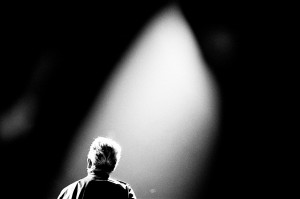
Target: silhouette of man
{"x":103,"y":157}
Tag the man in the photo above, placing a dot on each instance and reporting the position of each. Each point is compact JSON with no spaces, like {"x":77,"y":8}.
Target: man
{"x":103,"y":157}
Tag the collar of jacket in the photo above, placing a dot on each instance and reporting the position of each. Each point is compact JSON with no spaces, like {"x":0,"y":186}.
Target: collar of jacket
{"x":98,"y":175}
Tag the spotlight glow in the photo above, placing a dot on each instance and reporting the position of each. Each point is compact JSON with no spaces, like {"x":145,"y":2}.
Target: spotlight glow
{"x":18,"y":120}
{"x":161,"y":106}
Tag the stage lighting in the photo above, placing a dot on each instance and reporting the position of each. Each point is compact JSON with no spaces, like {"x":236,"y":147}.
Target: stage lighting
{"x":161,"y":105}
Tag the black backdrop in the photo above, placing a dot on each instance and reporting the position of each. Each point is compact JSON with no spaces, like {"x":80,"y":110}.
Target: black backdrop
{"x":81,"y":45}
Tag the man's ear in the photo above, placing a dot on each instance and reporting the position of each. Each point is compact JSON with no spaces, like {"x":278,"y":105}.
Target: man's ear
{"x":89,"y":163}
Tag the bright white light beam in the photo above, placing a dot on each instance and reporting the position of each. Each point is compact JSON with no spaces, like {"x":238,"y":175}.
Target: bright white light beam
{"x":161,"y":106}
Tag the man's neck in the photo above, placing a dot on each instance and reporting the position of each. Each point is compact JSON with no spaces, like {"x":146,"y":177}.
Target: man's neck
{"x":98,"y":174}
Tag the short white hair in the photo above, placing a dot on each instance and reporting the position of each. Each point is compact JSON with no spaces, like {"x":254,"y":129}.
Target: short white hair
{"x":104,"y":154}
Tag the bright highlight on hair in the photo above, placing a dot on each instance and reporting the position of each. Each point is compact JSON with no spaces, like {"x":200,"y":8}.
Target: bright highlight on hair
{"x":104,"y":154}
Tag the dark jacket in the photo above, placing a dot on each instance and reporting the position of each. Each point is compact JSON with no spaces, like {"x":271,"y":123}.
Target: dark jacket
{"x":95,"y":186}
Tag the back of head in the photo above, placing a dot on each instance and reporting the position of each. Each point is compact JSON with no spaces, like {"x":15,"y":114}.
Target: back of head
{"x":104,"y":155}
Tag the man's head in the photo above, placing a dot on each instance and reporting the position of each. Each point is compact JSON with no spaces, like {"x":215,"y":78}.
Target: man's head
{"x":104,"y":155}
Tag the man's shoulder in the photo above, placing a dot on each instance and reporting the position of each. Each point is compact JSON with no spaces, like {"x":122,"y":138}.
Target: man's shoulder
{"x":128,"y":188}
{"x":118,"y":182}
{"x":77,"y":185}
{"x":122,"y":182}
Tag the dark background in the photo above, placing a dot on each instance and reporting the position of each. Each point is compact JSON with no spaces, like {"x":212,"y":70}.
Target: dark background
{"x":255,"y":79}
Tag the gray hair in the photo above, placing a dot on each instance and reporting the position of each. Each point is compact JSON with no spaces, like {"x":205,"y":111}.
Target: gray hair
{"x":104,"y":154}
